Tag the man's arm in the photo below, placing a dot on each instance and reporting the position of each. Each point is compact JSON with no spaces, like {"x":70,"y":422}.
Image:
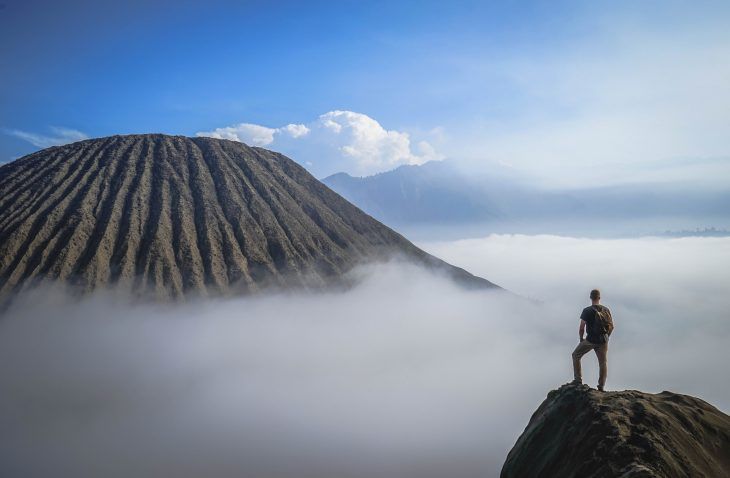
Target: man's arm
{"x":582,"y":329}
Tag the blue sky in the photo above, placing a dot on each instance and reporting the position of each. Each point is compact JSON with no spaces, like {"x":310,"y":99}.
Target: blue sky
{"x":537,"y":86}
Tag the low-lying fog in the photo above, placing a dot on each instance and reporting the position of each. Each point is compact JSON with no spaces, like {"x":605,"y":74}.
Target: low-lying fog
{"x":405,"y":375}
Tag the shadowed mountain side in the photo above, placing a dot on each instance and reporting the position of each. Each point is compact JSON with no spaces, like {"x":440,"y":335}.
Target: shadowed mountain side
{"x":440,"y":193}
{"x":174,"y":216}
{"x":578,"y":432}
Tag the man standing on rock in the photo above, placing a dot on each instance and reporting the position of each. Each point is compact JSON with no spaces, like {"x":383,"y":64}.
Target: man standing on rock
{"x":599,"y":323}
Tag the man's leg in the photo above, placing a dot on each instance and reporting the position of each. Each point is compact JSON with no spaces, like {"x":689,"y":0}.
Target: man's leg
{"x":583,"y":348}
{"x":602,"y":354}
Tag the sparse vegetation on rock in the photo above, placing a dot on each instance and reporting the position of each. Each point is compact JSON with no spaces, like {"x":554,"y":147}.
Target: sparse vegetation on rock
{"x":579,"y":432}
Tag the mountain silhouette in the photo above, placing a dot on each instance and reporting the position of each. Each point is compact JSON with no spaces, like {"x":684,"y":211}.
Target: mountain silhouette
{"x":172,"y":216}
{"x":440,"y":194}
{"x":579,"y":432}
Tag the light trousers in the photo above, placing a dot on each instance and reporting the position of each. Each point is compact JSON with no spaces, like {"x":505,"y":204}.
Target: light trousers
{"x":601,"y":352}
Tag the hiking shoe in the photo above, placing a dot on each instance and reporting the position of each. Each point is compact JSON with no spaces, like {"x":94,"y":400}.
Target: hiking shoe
{"x":600,"y":389}
{"x":576,"y":382}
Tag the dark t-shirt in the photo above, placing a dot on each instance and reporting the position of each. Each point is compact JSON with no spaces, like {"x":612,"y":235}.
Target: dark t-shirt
{"x":589,"y":315}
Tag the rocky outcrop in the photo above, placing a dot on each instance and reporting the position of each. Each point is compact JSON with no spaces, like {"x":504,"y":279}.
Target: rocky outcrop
{"x":578,"y":432}
{"x":173,"y":216}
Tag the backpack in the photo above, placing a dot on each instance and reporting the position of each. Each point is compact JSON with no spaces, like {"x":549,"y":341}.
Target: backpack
{"x":603,"y":323}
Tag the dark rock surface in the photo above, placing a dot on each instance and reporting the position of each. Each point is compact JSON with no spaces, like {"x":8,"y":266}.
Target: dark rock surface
{"x":579,"y":432}
{"x":172,"y":216}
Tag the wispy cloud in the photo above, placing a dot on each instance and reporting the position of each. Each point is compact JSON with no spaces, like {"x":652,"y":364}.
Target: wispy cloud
{"x":612,"y":109}
{"x":59,"y":136}
{"x":336,"y":141}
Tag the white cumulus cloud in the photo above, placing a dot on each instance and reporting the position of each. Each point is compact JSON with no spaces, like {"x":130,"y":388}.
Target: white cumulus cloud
{"x":255,"y":134}
{"x":295,"y":130}
{"x":58,"y":137}
{"x":335,"y":141}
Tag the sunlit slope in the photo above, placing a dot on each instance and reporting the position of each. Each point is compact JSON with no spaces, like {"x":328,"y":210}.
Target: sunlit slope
{"x":175,"y":216}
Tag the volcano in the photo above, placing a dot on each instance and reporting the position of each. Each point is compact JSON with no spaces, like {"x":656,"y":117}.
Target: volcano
{"x":174,"y":217}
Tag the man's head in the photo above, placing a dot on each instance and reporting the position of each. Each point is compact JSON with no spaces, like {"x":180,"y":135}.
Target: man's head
{"x":595,"y":296}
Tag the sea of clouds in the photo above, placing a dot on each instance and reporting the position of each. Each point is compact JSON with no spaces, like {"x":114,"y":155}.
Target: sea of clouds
{"x":404,"y":375}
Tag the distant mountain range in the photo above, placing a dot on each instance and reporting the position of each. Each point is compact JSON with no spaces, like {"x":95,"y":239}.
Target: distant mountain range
{"x":440,"y":194}
{"x":697,"y":232}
